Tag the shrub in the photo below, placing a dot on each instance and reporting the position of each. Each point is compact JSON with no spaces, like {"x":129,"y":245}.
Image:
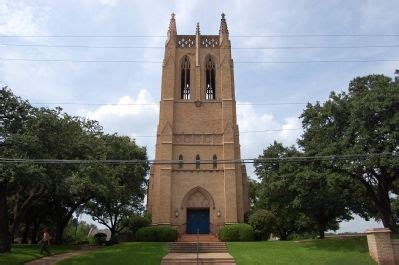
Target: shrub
{"x":136,"y":222}
{"x":237,"y":232}
{"x":263,"y":223}
{"x":156,"y":234}
{"x":100,"y":238}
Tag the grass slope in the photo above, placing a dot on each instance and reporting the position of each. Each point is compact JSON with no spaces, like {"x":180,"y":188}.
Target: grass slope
{"x":22,"y":253}
{"x":124,"y":253}
{"x":348,"y":251}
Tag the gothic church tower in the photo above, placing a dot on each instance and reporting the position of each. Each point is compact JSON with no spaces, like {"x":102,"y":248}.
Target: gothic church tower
{"x":206,"y":187}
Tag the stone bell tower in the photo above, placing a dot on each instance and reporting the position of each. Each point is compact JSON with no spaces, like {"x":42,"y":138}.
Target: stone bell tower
{"x":205,"y":187}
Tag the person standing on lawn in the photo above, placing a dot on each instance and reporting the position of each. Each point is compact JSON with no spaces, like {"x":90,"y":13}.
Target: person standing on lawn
{"x":45,"y":242}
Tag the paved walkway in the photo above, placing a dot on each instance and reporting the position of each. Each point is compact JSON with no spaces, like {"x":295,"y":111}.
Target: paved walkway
{"x":53,"y":259}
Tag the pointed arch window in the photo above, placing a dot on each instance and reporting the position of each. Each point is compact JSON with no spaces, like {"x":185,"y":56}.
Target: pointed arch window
{"x":197,"y":161}
{"x":210,"y":79}
{"x":215,"y":162}
{"x":185,"y":78}
{"x":180,"y":161}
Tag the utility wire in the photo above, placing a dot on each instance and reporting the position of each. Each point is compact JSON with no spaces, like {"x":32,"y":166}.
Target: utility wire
{"x":256,"y":131}
{"x":351,"y":157}
{"x":233,"y":48}
{"x":157,"y":104}
{"x":236,"y":62}
{"x":241,"y":132}
{"x":233,"y":36}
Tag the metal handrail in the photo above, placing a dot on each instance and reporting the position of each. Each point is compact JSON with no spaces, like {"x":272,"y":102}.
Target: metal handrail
{"x":197,"y":243}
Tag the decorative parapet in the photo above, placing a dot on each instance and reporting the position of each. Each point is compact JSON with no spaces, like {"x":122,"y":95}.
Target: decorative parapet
{"x":206,"y":41}
{"x":185,"y":41}
{"x":380,"y":246}
{"x":209,"y":41}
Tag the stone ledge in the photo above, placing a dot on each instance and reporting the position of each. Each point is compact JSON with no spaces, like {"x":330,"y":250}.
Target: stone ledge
{"x":378,"y":230}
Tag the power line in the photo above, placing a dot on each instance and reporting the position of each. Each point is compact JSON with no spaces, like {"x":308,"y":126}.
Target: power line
{"x":306,"y":35}
{"x":157,"y":104}
{"x":233,"y":48}
{"x":241,"y":132}
{"x":255,"y":131}
{"x":236,"y":62}
{"x":350,"y":157}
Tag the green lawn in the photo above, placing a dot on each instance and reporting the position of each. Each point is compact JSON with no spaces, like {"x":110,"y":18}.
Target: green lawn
{"x":23,"y":253}
{"x":329,"y":251}
{"x":124,"y":253}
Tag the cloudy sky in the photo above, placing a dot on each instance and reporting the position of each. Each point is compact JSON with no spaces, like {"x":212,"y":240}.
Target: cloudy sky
{"x":270,"y":95}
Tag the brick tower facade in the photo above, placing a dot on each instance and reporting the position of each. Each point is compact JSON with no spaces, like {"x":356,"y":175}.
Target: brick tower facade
{"x":197,"y":129}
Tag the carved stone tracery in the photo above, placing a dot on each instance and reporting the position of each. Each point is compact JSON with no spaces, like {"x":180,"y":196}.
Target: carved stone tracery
{"x":198,"y":198}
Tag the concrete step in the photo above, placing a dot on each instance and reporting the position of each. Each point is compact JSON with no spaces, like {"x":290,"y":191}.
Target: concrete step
{"x":195,"y":238}
{"x":203,"y":258}
{"x":188,"y":247}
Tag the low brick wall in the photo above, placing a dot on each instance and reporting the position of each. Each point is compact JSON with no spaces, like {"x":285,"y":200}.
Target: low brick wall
{"x":381,"y":248}
{"x":395,"y":247}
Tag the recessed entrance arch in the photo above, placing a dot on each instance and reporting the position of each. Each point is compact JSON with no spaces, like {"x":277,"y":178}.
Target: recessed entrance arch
{"x":198,"y":203}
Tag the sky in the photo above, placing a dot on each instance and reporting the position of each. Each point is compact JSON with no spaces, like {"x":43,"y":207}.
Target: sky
{"x":28,"y":30}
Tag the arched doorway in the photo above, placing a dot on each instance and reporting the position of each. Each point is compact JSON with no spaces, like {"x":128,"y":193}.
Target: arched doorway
{"x":198,"y":202}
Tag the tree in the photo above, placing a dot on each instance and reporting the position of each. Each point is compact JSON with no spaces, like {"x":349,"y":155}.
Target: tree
{"x":69,"y":186}
{"x":125,"y":185}
{"x":303,"y":188}
{"x":14,"y":116}
{"x":362,"y":121}
{"x":263,"y":223}
{"x":275,"y":192}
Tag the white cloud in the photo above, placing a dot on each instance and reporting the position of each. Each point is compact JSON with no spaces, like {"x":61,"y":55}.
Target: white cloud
{"x":20,"y":19}
{"x":109,"y":2}
{"x":138,"y":121}
{"x":253,"y":143}
{"x":250,"y":119}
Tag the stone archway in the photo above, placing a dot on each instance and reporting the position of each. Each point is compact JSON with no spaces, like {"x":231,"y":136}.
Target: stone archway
{"x":197,"y":203}
{"x":198,"y":197}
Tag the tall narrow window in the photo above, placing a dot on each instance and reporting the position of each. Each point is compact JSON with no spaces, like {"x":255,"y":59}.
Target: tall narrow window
{"x":210,"y":79}
{"x":215,"y":162}
{"x":180,"y":161}
{"x":197,"y":161}
{"x":185,"y":78}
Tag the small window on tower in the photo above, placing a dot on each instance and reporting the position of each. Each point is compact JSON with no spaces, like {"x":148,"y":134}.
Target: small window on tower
{"x":185,"y":78}
{"x":180,"y":161}
{"x":197,"y":161}
{"x":215,"y":162}
{"x":210,"y":79}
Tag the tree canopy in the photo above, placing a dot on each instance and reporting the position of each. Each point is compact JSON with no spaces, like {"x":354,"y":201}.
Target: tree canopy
{"x":60,"y":189}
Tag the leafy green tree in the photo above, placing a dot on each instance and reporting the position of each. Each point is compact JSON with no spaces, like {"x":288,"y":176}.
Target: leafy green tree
{"x":125,"y":185}
{"x":275,"y":191}
{"x":363,"y":121}
{"x":69,"y":186}
{"x":15,"y":179}
{"x":253,"y":187}
{"x":263,"y":223}
{"x":301,"y":188}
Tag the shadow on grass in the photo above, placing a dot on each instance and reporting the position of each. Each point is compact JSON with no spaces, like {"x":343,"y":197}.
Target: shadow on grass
{"x":357,"y":244}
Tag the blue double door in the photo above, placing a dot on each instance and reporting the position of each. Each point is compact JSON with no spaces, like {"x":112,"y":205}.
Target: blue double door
{"x":197,"y":221}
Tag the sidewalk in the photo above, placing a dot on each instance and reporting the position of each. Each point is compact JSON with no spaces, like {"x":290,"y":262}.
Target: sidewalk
{"x":53,"y":259}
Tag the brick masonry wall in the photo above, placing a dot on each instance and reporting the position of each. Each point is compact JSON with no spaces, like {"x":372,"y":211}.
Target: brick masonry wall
{"x":380,"y":246}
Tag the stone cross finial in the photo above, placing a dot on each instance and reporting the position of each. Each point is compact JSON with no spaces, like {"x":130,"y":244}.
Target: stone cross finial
{"x":172,"y":24}
{"x":223,"y":26}
{"x":197,"y":30}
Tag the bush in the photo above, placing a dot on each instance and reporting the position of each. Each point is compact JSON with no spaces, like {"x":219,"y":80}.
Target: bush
{"x":156,"y":234}
{"x":100,"y":238}
{"x":237,"y":232}
{"x":136,"y":222}
{"x":263,"y":223}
